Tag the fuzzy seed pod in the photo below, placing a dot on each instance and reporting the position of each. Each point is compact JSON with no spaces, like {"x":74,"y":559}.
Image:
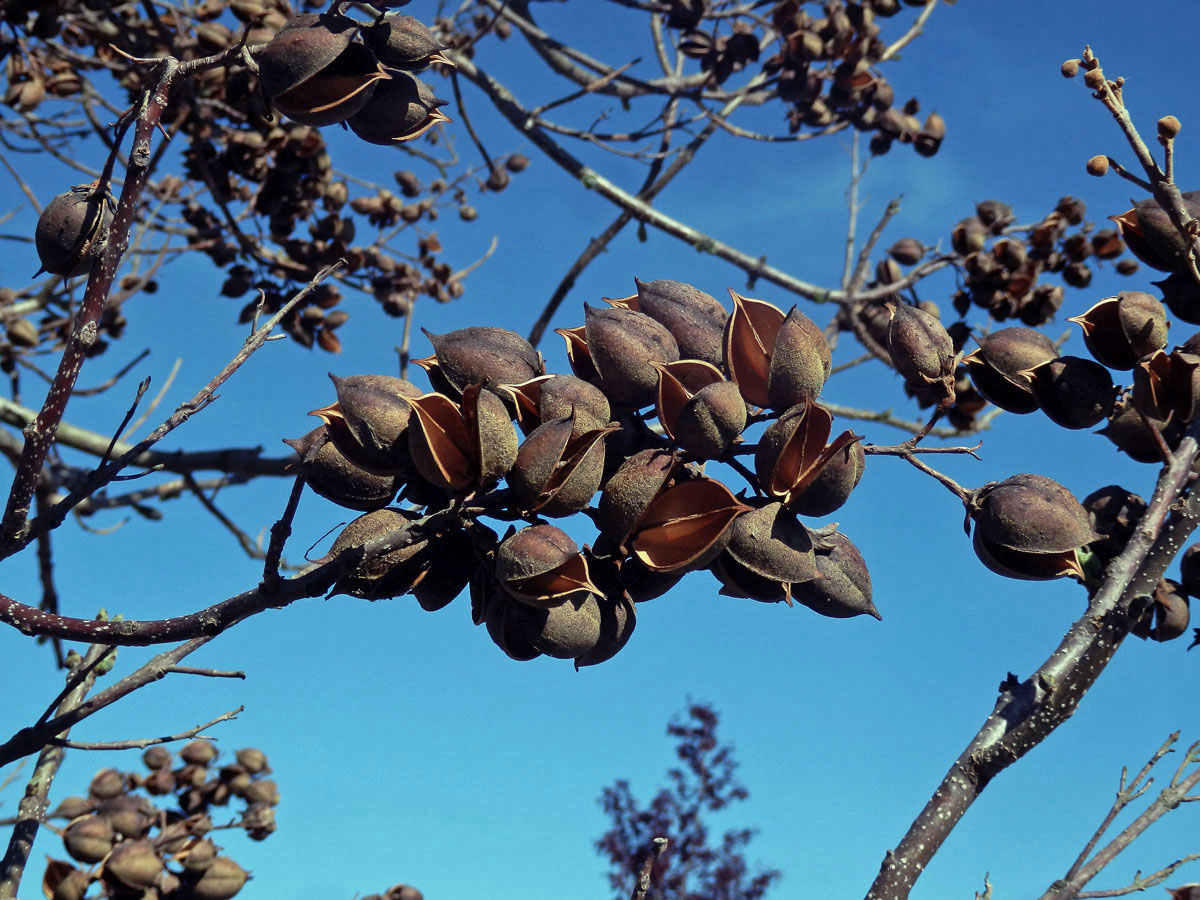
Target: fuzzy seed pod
{"x":630,"y":490}
{"x":999,"y":367}
{"x":369,"y":420}
{"x":221,"y":880}
{"x":554,"y":397}
{"x":483,"y":355}
{"x":106,"y":783}
{"x":622,"y":345}
{"x":401,"y":108}
{"x":768,"y":552}
{"x":695,"y":319}
{"x":129,"y":816}
{"x":306,"y":45}
{"x":89,"y":839}
{"x":542,"y":567}
{"x":1121,"y":330}
{"x":1151,"y":235}
{"x":792,"y":456}
{"x":71,"y":231}
{"x":404,"y":42}
{"x":200,"y":753}
{"x":1074,"y":392}
{"x":922,"y":351}
{"x":62,"y":881}
{"x":1129,"y":431}
{"x":328,"y":472}
{"x":134,"y":864}
{"x":907,"y":251}
{"x":557,"y":473}
{"x":842,"y":587}
{"x":1114,"y":514}
{"x":390,"y":575}
{"x":686,"y":525}
{"x":157,"y":757}
{"x":776,"y":360}
{"x":698,"y":408}
{"x":336,"y":92}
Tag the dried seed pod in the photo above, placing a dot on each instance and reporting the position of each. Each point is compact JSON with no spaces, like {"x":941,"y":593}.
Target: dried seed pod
{"x":556,"y":473}
{"x":89,"y":839}
{"x":768,"y":552}
{"x":198,"y":752}
{"x":630,"y":490}
{"x":253,"y":760}
{"x":542,"y":567}
{"x":1121,"y":330}
{"x":404,"y":42}
{"x":792,"y":455}
{"x":71,"y":231}
{"x":922,"y":351}
{"x":130,"y":816}
{"x":1151,"y":235}
{"x":1166,"y":386}
{"x":1074,"y":392}
{"x":618,"y":616}
{"x":369,"y":420}
{"x":1166,"y":618}
{"x":402,"y":108}
{"x":1182,"y":296}
{"x":328,"y":472}
{"x":907,"y":251}
{"x":554,"y":397}
{"x":455,"y":448}
{"x":336,"y":92}
{"x":622,"y":344}
{"x":686,"y":525}
{"x":451,"y":562}
{"x":1029,"y":526}
{"x":62,"y":881}
{"x":999,"y":367}
{"x":220,"y":881}
{"x":391,"y":574}
{"x":1132,"y":435}
{"x":198,"y":855}
{"x":156,"y":757}
{"x":842,"y":586}
{"x":929,"y":138}
{"x":483,"y":355}
{"x":1114,"y":513}
{"x":968,"y":236}
{"x":308,"y":44}
{"x":106,"y":783}
{"x":695,"y":319}
{"x":134,"y":864}
{"x":776,"y":360}
{"x":698,"y":408}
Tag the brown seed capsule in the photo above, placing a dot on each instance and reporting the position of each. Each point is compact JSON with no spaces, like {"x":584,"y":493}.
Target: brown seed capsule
{"x":557,"y":473}
{"x":134,"y":864}
{"x":306,"y":45}
{"x":459,"y":448}
{"x":630,"y":490}
{"x":200,"y":753}
{"x":792,"y":455}
{"x":968,"y":236}
{"x":1121,"y":330}
{"x":929,"y":138}
{"x":922,"y":351}
{"x":71,"y":231}
{"x":1181,"y":294}
{"x":999,"y":367}
{"x":1167,"y":386}
{"x":369,"y":420}
{"x":755,"y":334}
{"x":1097,"y":166}
{"x":391,"y":574}
{"x":907,"y":251}
{"x":800,"y":361}
{"x":1074,"y":392}
{"x":402,"y":108}
{"x":1132,"y":435}
{"x":484,"y":355}
{"x":62,"y":881}
{"x":328,"y":472}
{"x":622,"y":345}
{"x":842,"y":587}
{"x":618,"y":616}
{"x":686,"y":525}
{"x":698,"y":408}
{"x":1166,"y":617}
{"x":404,"y":42}
{"x":1169,"y":128}
{"x":89,"y":839}
{"x":130,"y":816}
{"x":768,"y":552}
{"x":695,"y":319}
{"x":336,"y":92}
{"x":541,"y":566}
{"x":1151,"y":235}
{"x":106,"y":783}
{"x":1114,"y":513}
{"x":156,"y":757}
{"x":252,"y":760}
{"x":220,"y":881}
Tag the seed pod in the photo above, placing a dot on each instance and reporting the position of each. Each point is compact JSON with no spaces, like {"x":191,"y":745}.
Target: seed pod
{"x":755,"y":335}
{"x":922,"y":351}
{"x":71,"y":231}
{"x":695,"y":319}
{"x":842,"y":586}
{"x":630,"y":490}
{"x":1182,"y":296}
{"x":336,"y":92}
{"x":106,"y":783}
{"x":483,"y":355}
{"x":156,"y":757}
{"x":1166,"y":618}
{"x":89,"y":839}
{"x":369,"y":420}
{"x":768,"y":552}
{"x":455,"y":448}
{"x":907,"y":251}
{"x":554,"y":397}
{"x":555,"y":473}
{"x":1131,"y":433}
{"x":622,"y":345}
{"x":390,"y":575}
{"x":1151,"y":235}
{"x":968,"y":236}
{"x":686,"y":525}
{"x":542,"y":567}
{"x":451,"y":562}
{"x":401,"y":109}
{"x":1029,"y":526}
{"x":1074,"y":392}
{"x":252,"y":760}
{"x":1166,"y":386}
{"x":308,"y":44}
{"x":404,"y":42}
{"x":618,"y":616}
{"x":698,"y":408}
{"x":792,"y":455}
{"x":62,"y":881}
{"x":327,"y":471}
{"x":1114,"y":514}
{"x":200,"y":753}
{"x":999,"y":367}
{"x":198,"y":855}
{"x":929,"y":138}
{"x":1121,"y":330}
{"x":130,"y":816}
{"x":220,"y":881}
{"x":134,"y":864}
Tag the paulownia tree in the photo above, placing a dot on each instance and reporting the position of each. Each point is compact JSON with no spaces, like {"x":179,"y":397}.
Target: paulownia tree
{"x":689,"y":435}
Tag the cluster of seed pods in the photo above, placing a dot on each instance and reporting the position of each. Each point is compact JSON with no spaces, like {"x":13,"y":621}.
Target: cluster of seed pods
{"x":123,"y":847}
{"x":662,"y":384}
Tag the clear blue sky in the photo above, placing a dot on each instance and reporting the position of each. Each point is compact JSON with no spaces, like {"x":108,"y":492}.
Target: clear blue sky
{"x":408,"y":748}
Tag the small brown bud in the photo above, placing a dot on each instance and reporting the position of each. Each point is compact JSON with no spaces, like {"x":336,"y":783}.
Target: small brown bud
{"x":1097,"y":166}
{"x":1070,"y":68}
{"x":1168,"y":128}
{"x":1094,"y":79}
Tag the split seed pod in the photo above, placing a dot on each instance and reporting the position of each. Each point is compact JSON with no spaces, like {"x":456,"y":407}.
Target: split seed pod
{"x":768,"y":552}
{"x":695,"y":319}
{"x":391,"y":574}
{"x":402,"y":108}
{"x":1166,"y":386}
{"x":220,"y":881}
{"x":89,"y":839}
{"x":792,"y":456}
{"x":134,"y":864}
{"x":459,"y":448}
{"x":1114,"y":513}
{"x":482,"y":355}
{"x":71,"y":231}
{"x":369,"y":420}
{"x":698,"y":408}
{"x":1151,"y":235}
{"x":842,"y":586}
{"x":1166,"y":618}
{"x":1121,"y":330}
{"x":554,"y":397}
{"x":306,"y":45}
{"x":542,"y":567}
{"x":328,"y":472}
{"x":999,"y":367}
{"x":404,"y":42}
{"x":1029,"y":527}
{"x":630,"y":490}
{"x":1132,"y":435}
{"x":776,"y":360}
{"x":556,"y":472}
{"x":686,"y":525}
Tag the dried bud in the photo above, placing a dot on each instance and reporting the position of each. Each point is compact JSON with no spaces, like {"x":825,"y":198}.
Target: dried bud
{"x":1097,"y":166}
{"x":1168,"y":128}
{"x":1094,"y":79}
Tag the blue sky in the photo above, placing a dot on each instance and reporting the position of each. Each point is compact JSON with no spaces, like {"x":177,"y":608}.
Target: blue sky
{"x":408,"y":748}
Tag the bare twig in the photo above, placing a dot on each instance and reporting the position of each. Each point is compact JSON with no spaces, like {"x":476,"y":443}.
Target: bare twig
{"x":642,"y":887}
{"x":140,"y":743}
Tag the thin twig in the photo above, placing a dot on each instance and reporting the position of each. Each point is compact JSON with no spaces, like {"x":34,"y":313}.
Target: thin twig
{"x":140,"y":743}
{"x":642,"y":888}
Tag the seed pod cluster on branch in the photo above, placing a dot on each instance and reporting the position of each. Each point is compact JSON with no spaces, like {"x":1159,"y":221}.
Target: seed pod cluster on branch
{"x":623,"y":439}
{"x":123,"y":845}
